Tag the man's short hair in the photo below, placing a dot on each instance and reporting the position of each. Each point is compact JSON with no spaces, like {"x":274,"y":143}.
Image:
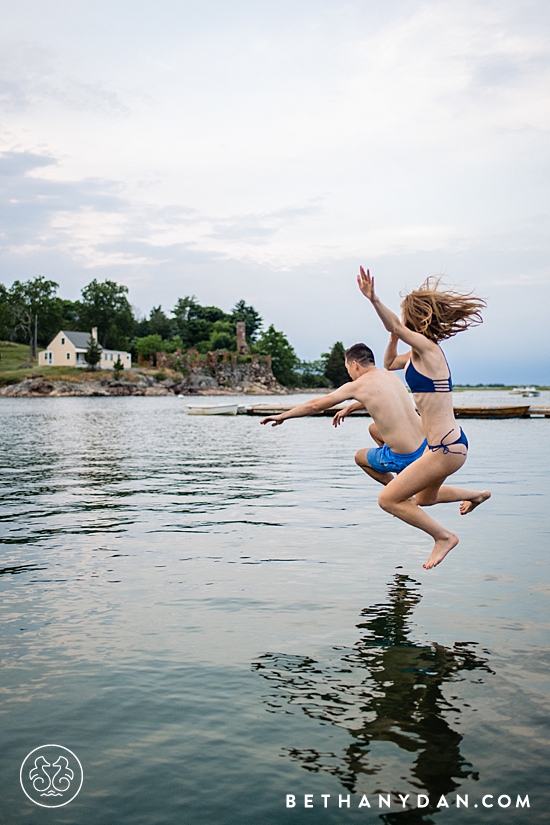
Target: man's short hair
{"x":360,"y":353}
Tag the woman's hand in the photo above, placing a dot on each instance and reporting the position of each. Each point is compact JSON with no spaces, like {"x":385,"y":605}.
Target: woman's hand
{"x":366,"y":283}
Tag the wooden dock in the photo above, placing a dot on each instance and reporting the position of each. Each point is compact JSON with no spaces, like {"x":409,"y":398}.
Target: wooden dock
{"x":485,"y":411}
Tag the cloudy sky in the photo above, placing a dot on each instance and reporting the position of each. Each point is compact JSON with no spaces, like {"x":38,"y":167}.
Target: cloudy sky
{"x":262,"y":149}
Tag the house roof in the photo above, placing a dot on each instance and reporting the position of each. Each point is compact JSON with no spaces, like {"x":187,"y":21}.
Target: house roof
{"x":78,"y":339}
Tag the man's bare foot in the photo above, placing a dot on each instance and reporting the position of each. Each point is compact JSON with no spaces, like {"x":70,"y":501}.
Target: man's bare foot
{"x":468,"y":506}
{"x":441,"y":548}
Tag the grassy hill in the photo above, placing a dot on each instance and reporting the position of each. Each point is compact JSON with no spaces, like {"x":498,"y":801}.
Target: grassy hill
{"x":15,"y":366}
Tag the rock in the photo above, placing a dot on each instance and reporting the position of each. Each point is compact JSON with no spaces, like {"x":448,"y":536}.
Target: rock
{"x":199,"y":381}
{"x":40,"y":387}
{"x":157,"y":391}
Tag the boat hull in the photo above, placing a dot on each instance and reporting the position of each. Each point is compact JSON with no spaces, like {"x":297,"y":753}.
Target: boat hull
{"x":212,"y":409}
{"x":519,"y":411}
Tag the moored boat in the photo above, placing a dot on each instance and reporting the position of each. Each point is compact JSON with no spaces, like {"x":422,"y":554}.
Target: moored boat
{"x":519,"y":411}
{"x":211,"y":409}
{"x":527,"y":392}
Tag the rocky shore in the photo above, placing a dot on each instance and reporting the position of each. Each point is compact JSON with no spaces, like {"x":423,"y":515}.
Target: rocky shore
{"x":137,"y":383}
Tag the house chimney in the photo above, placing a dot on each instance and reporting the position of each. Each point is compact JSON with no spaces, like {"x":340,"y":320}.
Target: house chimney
{"x":94,"y":333}
{"x":242,"y":346}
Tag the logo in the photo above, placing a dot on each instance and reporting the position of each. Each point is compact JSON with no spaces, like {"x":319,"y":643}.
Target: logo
{"x":51,"y":776}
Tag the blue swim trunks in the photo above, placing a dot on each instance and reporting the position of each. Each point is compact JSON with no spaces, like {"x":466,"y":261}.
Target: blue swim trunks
{"x":384,"y":460}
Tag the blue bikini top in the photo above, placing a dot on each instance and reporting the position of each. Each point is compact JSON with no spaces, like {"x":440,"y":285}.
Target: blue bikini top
{"x":421,"y":383}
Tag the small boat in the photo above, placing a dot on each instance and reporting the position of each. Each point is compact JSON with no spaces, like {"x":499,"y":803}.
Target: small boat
{"x":520,"y":411}
{"x":211,"y":409}
{"x":527,"y":392}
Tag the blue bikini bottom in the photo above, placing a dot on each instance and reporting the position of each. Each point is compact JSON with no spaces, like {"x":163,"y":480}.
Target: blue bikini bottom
{"x":445,"y":447}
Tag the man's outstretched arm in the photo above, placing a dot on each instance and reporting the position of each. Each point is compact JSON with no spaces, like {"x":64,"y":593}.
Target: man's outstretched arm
{"x":316,"y":405}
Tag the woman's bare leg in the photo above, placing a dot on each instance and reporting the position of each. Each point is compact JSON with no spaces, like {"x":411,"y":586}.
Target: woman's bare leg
{"x":426,"y":474}
{"x":470,"y":499}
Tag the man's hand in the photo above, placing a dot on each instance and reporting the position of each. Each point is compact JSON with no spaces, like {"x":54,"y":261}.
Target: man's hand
{"x":339,"y":417}
{"x":275,"y":419}
{"x":366,"y":283}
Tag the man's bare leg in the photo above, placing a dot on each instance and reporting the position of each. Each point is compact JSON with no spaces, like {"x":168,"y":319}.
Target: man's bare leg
{"x":470,"y":499}
{"x":361,"y":461}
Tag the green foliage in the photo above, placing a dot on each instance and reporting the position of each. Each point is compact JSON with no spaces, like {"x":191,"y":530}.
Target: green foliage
{"x":24,"y":302}
{"x":209,"y":327}
{"x":149,"y":345}
{"x":105,"y":306}
{"x":93,"y":353}
{"x":335,"y":369}
{"x":284,"y":360}
{"x":174,"y":344}
{"x":223,"y":336}
{"x":311,"y":374}
{"x":118,"y":367}
{"x":160,"y":324}
{"x":70,"y":318}
{"x":5,"y":314}
{"x":253,"y":321}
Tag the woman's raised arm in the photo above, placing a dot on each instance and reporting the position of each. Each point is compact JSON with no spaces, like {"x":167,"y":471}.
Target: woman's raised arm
{"x":390,"y":320}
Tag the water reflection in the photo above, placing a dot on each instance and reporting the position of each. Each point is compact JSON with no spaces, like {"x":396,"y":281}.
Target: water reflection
{"x":386,"y":688}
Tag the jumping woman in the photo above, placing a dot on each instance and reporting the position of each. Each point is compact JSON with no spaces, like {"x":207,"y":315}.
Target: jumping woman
{"x":429,"y":315}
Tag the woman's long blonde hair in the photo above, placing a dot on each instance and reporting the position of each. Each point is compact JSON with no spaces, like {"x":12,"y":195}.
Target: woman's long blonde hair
{"x":440,"y":313}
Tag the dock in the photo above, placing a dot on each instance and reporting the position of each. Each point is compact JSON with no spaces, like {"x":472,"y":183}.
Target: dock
{"x":485,"y":411}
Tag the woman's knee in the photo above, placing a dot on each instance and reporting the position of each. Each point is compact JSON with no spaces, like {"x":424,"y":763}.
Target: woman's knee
{"x":386,"y":501}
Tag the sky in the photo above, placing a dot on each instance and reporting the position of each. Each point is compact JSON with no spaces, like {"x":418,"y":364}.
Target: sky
{"x":262,"y":150}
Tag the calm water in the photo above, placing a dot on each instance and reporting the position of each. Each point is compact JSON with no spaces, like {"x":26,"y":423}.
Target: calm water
{"x":213,"y":614}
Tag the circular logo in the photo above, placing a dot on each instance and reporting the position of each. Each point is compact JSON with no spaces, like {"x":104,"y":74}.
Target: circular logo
{"x":51,"y":776}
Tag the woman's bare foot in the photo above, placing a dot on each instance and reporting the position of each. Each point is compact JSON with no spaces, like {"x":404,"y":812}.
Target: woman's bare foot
{"x":441,"y":548}
{"x":468,"y":506}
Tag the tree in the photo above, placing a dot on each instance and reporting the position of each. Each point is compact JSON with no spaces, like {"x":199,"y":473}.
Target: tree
{"x":36,"y":311}
{"x":335,"y":369}
{"x":118,"y":366}
{"x":160,"y":323}
{"x":70,"y":316}
{"x":5,"y":314}
{"x":311,"y":374}
{"x":105,"y":306}
{"x":251,"y":318}
{"x":150,"y":345}
{"x":93,"y":353}
{"x":283,"y":357}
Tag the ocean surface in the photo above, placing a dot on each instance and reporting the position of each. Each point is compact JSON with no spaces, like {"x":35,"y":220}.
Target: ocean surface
{"x":213,"y":615}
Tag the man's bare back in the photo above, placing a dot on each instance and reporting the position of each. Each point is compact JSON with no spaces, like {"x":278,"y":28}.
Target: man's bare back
{"x":382,"y":394}
{"x":391,"y":408}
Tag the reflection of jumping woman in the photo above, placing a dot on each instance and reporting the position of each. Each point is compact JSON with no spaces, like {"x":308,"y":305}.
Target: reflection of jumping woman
{"x":429,"y":316}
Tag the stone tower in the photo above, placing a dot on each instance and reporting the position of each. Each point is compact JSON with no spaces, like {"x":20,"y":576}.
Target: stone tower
{"x":242,"y":346}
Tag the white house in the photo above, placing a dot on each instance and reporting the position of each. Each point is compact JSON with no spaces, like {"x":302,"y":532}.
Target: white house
{"x":68,"y":349}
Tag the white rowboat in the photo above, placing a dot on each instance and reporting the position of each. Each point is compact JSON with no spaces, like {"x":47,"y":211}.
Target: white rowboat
{"x":211,"y":409}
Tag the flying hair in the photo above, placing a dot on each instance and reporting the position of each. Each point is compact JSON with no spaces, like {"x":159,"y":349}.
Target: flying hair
{"x":440,"y":313}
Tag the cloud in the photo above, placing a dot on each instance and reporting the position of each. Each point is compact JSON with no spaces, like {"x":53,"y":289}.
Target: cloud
{"x":19,"y":163}
{"x":273,"y":147}
{"x":33,"y":75}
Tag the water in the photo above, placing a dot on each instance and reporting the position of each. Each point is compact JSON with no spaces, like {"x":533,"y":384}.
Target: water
{"x":213,"y":614}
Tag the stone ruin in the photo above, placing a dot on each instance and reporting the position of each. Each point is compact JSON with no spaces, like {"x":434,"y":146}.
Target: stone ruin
{"x":221,"y":370}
